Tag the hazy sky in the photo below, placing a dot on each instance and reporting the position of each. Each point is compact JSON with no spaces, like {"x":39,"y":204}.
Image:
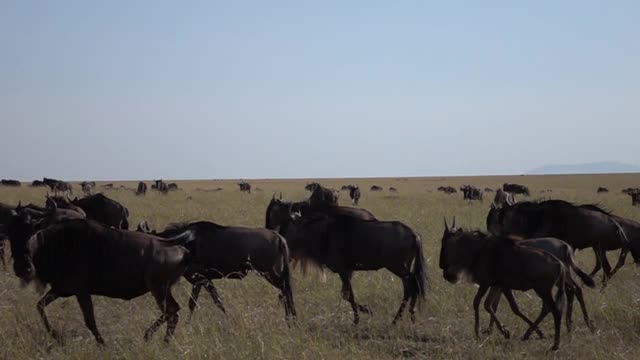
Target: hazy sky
{"x":230,"y":89}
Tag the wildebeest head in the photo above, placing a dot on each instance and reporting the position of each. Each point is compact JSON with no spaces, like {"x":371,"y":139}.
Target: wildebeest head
{"x":458,"y":251}
{"x":278,"y":211}
{"x":20,"y":229}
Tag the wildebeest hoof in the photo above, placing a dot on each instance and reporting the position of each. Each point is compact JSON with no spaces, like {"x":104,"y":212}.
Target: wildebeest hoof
{"x":506,"y":333}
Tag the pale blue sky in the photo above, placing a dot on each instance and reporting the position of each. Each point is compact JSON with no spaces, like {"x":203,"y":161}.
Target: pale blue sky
{"x":230,"y":89}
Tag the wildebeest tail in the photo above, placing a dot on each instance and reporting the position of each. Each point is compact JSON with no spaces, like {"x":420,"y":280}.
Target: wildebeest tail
{"x":419,"y":269}
{"x":561,"y":283}
{"x":287,"y":288}
{"x":182,"y":239}
{"x":586,"y":279}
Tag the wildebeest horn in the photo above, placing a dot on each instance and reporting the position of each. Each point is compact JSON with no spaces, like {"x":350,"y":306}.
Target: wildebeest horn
{"x":446,"y":227}
{"x":453,"y":226}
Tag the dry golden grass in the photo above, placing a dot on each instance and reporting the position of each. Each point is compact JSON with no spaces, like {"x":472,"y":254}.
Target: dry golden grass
{"x":255,"y":326}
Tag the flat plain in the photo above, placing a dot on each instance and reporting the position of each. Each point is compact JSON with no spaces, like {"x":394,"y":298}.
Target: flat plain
{"x":254,"y":327}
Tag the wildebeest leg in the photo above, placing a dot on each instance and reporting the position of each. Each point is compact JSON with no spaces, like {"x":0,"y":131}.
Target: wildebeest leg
{"x":198,"y":282}
{"x":606,"y":267}
{"x":169,"y":308}
{"x":47,"y":299}
{"x":548,"y":305}
{"x":476,"y":309}
{"x":598,"y":265}
{"x":193,"y":299}
{"x":4,"y":264}
{"x":86,"y":305}
{"x":406,"y":286}
{"x":493,"y":299}
{"x":623,"y":257}
{"x":583,"y":307}
{"x":278,"y":282}
{"x":347,"y":294}
{"x":516,"y":310}
{"x":570,"y":296}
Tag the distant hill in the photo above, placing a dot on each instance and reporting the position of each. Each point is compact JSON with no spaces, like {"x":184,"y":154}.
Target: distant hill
{"x":605,"y":167}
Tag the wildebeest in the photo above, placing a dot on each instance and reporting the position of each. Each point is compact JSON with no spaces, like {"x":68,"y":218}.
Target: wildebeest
{"x":501,"y":263}
{"x":516,"y":189}
{"x":82,"y":258}
{"x":172,"y":187}
{"x":630,"y":190}
{"x":470,"y":192}
{"x":87,"y":186}
{"x":447,"y":189}
{"x":7,"y":182}
{"x":602,"y":190}
{"x":58,"y":185}
{"x":100,"y":208}
{"x":393,"y":189}
{"x":345,"y":244}
{"x":142,"y":188}
{"x":6,"y":214}
{"x":232,"y":252}
{"x":354,"y":194}
{"x":632,"y":232}
{"x":488,"y":190}
{"x":322,"y":197}
{"x":502,"y":198}
{"x":635,"y":197}
{"x":245,"y":187}
{"x":580,"y":226}
{"x":375,"y":188}
{"x":161,"y":186}
{"x":38,"y":183}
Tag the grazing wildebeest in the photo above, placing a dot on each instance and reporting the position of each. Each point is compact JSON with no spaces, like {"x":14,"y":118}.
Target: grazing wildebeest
{"x":172,"y":187}
{"x":376,"y":188}
{"x":142,"y":188}
{"x":501,"y":263}
{"x":38,"y":183}
{"x":100,"y":208}
{"x":82,"y":258}
{"x":7,"y":182}
{"x":516,"y":189}
{"x":393,"y":189}
{"x":470,"y":192}
{"x":232,"y":252}
{"x":345,"y":244}
{"x":245,"y":187}
{"x":580,"y":226}
{"x":602,"y":190}
{"x":161,"y":186}
{"x":87,"y":186}
{"x":447,"y":189}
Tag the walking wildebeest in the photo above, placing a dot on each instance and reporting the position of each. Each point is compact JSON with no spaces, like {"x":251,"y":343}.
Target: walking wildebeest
{"x":632,"y":232}
{"x":100,"y":208}
{"x":579,"y":226}
{"x":172,"y":187}
{"x":82,"y":258}
{"x":245,"y":187}
{"x":500,"y":262}
{"x":375,"y":188}
{"x":7,"y":182}
{"x":354,"y":194}
{"x":447,"y":189}
{"x":38,"y":183}
{"x":516,"y":189}
{"x":470,"y":192}
{"x":232,"y":252}
{"x":58,"y":185}
{"x":142,"y":188}
{"x":602,"y":190}
{"x":345,"y":244}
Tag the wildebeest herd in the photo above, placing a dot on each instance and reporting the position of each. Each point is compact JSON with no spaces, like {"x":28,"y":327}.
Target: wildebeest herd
{"x":83,"y":247}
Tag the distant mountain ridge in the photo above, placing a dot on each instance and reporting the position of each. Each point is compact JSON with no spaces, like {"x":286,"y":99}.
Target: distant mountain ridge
{"x":603,"y":167}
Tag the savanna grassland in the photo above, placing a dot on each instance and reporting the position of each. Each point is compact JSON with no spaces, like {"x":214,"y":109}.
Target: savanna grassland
{"x":255,"y":327}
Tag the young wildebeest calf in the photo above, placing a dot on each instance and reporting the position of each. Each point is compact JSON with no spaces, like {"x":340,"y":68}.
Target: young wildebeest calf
{"x":501,"y":263}
{"x":232,"y":252}
{"x":82,"y":258}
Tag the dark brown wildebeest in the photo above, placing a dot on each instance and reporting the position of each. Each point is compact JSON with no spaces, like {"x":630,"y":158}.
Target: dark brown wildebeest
{"x":82,"y":258}
{"x":172,"y":187}
{"x":447,"y":189}
{"x":87,"y":186}
{"x":345,"y":244}
{"x":58,"y":185}
{"x":635,"y":197}
{"x":232,"y":252}
{"x":516,"y":189}
{"x":346,"y":187}
{"x":470,"y":192}
{"x":245,"y":187}
{"x":376,"y":188}
{"x":630,"y":190}
{"x":7,"y":182}
{"x":501,"y":263}
{"x":354,"y":194}
{"x":580,"y":226}
{"x":602,"y":190}
{"x":100,"y":208}
{"x":632,"y":231}
{"x":38,"y":183}
{"x":393,"y":190}
{"x":322,"y":197}
{"x":142,"y":188}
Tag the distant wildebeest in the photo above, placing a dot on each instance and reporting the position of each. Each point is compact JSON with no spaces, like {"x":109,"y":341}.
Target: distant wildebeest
{"x":488,"y":189}
{"x":87,"y":186}
{"x":501,"y":263}
{"x":161,"y":186}
{"x":345,"y":244}
{"x":232,"y":252}
{"x":580,"y":226}
{"x":58,"y":185}
{"x":393,"y":189}
{"x":354,"y":193}
{"x":7,"y":182}
{"x":322,"y":197}
{"x":100,"y":208}
{"x":635,"y":197}
{"x":345,"y":187}
{"x":602,"y":190}
{"x":447,"y":189}
{"x":38,"y":183}
{"x":142,"y":188}
{"x":375,"y":188}
{"x":245,"y":187}
{"x":516,"y":189}
{"x":108,"y":186}
{"x":82,"y":258}
{"x":630,"y":190}
{"x":172,"y":187}
{"x":470,"y":192}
